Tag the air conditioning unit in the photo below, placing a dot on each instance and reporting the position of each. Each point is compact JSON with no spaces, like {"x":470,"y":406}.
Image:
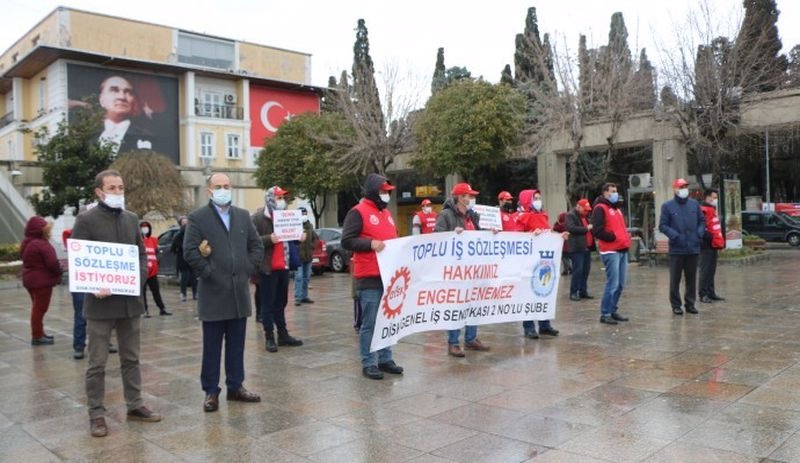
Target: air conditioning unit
{"x":230,"y":98}
{"x":640,"y":180}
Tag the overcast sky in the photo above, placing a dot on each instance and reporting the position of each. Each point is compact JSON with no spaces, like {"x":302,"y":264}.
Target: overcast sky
{"x":405,"y":35}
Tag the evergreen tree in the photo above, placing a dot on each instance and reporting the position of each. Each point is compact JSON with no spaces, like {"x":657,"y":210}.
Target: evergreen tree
{"x":506,"y":77}
{"x":456,"y":73}
{"x":668,"y":96}
{"x":530,"y":60}
{"x":439,"y":80}
{"x":758,"y":46}
{"x":585,"y":72}
{"x":328,"y":102}
{"x":364,"y":88}
{"x":644,"y":84}
{"x":794,"y":66}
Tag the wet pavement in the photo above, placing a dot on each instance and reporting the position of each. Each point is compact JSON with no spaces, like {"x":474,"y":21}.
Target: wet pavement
{"x":721,"y":386}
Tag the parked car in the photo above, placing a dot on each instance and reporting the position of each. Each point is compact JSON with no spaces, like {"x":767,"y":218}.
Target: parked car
{"x":166,"y":258}
{"x":338,"y":257}
{"x":319,"y":260}
{"x":772,"y":226}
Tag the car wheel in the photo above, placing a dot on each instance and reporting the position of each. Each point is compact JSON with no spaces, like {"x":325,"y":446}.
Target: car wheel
{"x":793,"y":239}
{"x":337,"y":262}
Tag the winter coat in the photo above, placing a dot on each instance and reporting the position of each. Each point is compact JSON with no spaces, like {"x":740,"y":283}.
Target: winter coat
{"x":307,"y":247}
{"x":177,"y":249}
{"x":40,"y":266}
{"x":684,"y":224}
{"x":151,"y":248}
{"x":577,"y":241}
{"x":223,"y":291}
{"x":450,"y":217}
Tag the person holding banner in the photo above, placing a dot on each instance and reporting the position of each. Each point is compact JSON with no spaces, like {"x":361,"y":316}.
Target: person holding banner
{"x":508,"y":213}
{"x":424,"y":221}
{"x":612,"y":239}
{"x":457,"y":215}
{"x":110,"y":222}
{"x":366,"y":226}
{"x":533,"y":218}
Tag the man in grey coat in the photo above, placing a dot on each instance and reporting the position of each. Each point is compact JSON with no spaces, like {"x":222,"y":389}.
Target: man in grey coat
{"x":223,"y":249}
{"x":104,"y":312}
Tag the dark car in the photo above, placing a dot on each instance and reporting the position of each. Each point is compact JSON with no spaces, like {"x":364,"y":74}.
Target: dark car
{"x":319,"y":260}
{"x":338,"y":257}
{"x":772,"y":226}
{"x":166,"y":258}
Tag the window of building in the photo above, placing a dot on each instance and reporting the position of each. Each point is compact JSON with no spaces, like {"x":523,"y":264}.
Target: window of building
{"x":206,"y":51}
{"x":232,"y":146}
{"x":212,"y":102}
{"x":206,"y":145}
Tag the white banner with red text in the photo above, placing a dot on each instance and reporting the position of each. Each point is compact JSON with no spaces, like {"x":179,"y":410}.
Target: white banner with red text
{"x":445,"y":281}
{"x":96,"y":265}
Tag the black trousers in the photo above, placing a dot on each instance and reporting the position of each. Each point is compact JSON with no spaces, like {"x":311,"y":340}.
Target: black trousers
{"x":232,"y":333}
{"x":152,"y":283}
{"x":685,"y":265}
{"x":274,"y":290}
{"x":708,"y":268}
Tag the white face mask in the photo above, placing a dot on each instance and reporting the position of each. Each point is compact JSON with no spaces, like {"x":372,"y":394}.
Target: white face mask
{"x":426,"y":210}
{"x":714,"y":202}
{"x":305,"y":218}
{"x":221,"y":197}
{"x":114,"y":201}
{"x":683,"y":193}
{"x":385,"y":197}
{"x":537,"y":204}
{"x":280,"y":204}
{"x":145,"y":230}
{"x":471,"y":203}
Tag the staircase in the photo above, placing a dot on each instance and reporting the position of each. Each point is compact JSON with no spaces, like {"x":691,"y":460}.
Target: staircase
{"x":14,"y":212}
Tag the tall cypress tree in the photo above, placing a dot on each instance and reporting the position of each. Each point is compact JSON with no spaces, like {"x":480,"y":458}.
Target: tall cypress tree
{"x":439,"y":80}
{"x":506,"y":77}
{"x":644,"y":84}
{"x":759,"y":64}
{"x":364,"y":88}
{"x":530,"y":62}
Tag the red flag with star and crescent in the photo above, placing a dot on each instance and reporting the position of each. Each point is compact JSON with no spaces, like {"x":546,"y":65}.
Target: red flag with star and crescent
{"x":271,"y":107}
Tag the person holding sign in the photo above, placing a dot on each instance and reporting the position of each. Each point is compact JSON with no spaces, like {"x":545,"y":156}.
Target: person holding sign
{"x":274,"y":271}
{"x":110,"y":222}
{"x":457,"y":215}
{"x":366,"y":226}
{"x":424,"y":221}
{"x":533,"y":218}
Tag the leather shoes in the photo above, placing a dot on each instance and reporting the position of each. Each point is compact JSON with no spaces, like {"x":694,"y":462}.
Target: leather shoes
{"x":574,"y":297}
{"x":716,"y":297}
{"x":164,"y":312}
{"x":211,"y":404}
{"x":243,"y":395}
{"x":98,"y":428}
{"x":677,"y":311}
{"x":587,"y":296}
{"x":476,"y":345}
{"x":608,"y":320}
{"x":618,"y":317}
{"x":143,"y":414}
{"x":306,"y":300}
{"x":391,"y":367}
{"x":372,"y":372}
{"x":270,"y":344}
{"x":41,"y":341}
{"x":549,"y":331}
{"x":691,"y":310}
{"x":455,"y":350}
{"x":705,"y":300}
{"x":532,"y":334}
{"x":285,"y":340}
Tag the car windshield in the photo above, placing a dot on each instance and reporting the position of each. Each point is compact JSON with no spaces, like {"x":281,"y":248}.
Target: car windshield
{"x":791,"y":219}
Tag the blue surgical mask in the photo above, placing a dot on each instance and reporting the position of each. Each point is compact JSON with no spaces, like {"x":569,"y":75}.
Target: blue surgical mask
{"x":221,"y":197}
{"x":613,"y":198}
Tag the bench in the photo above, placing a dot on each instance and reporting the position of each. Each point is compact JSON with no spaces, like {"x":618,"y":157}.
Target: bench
{"x":661,"y":249}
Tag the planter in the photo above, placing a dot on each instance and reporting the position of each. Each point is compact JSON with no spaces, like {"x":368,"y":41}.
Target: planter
{"x":755,"y":244}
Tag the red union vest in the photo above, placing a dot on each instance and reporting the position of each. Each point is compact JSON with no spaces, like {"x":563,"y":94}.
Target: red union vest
{"x":510,"y":221}
{"x":427,"y":221}
{"x":151,"y":248}
{"x":375,"y":225}
{"x":713,"y":226}
{"x":615,"y":223}
{"x":533,"y":220}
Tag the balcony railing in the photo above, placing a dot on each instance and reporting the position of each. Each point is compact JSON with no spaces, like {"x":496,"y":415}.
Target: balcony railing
{"x":219,"y":111}
{"x":7,"y":119}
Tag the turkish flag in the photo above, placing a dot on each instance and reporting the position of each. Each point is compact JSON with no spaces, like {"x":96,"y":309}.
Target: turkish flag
{"x":270,"y":107}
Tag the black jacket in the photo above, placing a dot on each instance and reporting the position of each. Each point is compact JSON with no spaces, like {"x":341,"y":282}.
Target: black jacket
{"x":577,"y":232}
{"x":451,"y":217}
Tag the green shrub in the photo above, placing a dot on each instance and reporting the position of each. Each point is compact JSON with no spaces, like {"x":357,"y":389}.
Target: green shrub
{"x":9,"y":252}
{"x":751,"y":238}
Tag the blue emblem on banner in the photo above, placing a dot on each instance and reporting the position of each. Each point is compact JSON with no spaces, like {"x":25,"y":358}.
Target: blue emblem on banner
{"x":544,"y":274}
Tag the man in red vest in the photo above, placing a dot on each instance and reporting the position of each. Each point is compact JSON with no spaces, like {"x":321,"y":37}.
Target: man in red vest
{"x":366,"y":226}
{"x":612,"y":239}
{"x":712,"y":243}
{"x":508,"y":214}
{"x":424,"y":221}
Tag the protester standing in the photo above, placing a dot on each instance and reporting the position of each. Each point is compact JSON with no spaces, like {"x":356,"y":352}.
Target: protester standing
{"x":303,"y":273}
{"x":713,"y":242}
{"x":613,"y":242}
{"x":185,"y":273}
{"x":151,"y":247}
{"x":424,"y":220}
{"x":41,"y":271}
{"x":580,"y":244}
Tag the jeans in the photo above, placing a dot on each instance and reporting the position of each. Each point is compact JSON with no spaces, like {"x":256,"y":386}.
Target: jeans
{"x":233,"y":332}
{"x":301,"y":277}
{"x":616,"y":264}
{"x":370,"y":300}
{"x":527,"y":326}
{"x":708,"y":268}
{"x":274,"y":290}
{"x":187,"y":278}
{"x":470,"y":334}
{"x":685,"y":265}
{"x":581,"y":266}
{"x":78,"y":323}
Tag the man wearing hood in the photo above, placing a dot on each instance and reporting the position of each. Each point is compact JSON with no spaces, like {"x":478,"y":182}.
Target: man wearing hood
{"x":223,"y":249}
{"x":367,"y":225}
{"x":274,"y":272}
{"x":533,"y":218}
{"x":104,"y":312}
{"x":612,"y":239}
{"x":41,"y":271}
{"x":683,"y":223}
{"x":151,"y":247}
{"x":424,"y":220}
{"x":457,"y":215}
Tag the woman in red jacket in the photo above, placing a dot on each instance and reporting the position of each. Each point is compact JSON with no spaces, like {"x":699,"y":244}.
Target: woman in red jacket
{"x":41,"y":271}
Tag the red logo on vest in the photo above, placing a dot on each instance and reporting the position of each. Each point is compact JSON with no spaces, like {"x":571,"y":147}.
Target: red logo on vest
{"x":374,"y":220}
{"x":396,"y":293}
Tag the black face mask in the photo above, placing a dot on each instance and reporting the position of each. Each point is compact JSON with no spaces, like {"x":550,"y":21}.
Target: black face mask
{"x":508,"y":207}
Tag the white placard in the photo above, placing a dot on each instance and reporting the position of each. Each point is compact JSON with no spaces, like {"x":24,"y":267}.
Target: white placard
{"x":489,"y":217}
{"x":288,"y":224}
{"x":443,"y":281}
{"x":96,"y":265}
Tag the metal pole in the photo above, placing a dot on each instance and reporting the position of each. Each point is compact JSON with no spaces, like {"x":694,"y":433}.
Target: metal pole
{"x":766,"y":154}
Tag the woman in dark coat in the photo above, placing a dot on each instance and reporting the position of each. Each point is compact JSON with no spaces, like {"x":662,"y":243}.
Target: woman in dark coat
{"x":41,"y":271}
{"x":185,"y":274}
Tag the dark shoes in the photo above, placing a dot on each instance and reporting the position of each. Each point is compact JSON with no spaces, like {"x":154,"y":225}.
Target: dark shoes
{"x":716,"y":297}
{"x":476,"y":345}
{"x":211,"y":404}
{"x":78,"y":354}
{"x":455,"y":350}
{"x":372,"y":372}
{"x":391,"y":367}
{"x":143,"y":414}
{"x":691,"y":310}
{"x":298,"y":302}
{"x":285,"y":340}
{"x":164,"y":312}
{"x":98,"y":428}
{"x":574,"y":297}
{"x":532,"y":334}
{"x":270,"y":343}
{"x":618,"y":317}
{"x":43,"y":341}
{"x":306,"y":300}
{"x":677,"y":311}
{"x":549,"y":331}
{"x":146,"y":314}
{"x":608,"y":320}
{"x":587,"y":296}
{"x":243,"y":395}
{"x":705,"y":300}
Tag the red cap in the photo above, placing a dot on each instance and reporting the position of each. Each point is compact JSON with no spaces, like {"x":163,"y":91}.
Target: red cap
{"x":279,"y":191}
{"x":387,"y":186}
{"x":463,"y":189}
{"x":678,"y":183}
{"x":504,"y":195}
{"x":425,"y":202}
{"x":584,"y":204}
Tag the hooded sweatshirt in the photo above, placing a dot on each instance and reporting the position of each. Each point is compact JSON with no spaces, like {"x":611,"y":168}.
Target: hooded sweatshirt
{"x":529,"y":218}
{"x":40,"y":266}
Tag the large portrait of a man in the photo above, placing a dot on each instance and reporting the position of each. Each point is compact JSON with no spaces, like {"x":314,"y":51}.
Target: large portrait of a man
{"x":140,"y":111}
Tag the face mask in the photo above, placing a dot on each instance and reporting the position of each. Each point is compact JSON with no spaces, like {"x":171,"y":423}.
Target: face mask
{"x":613,"y":198}
{"x":385,"y":197}
{"x":471,"y":203}
{"x":145,"y":230}
{"x":280,"y":204}
{"x":221,"y":197}
{"x":115,"y":201}
{"x":714,"y":202}
{"x":537,"y":204}
{"x":426,"y":210}
{"x":683,"y":193}
{"x":305,"y":218}
{"x":508,"y":207}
